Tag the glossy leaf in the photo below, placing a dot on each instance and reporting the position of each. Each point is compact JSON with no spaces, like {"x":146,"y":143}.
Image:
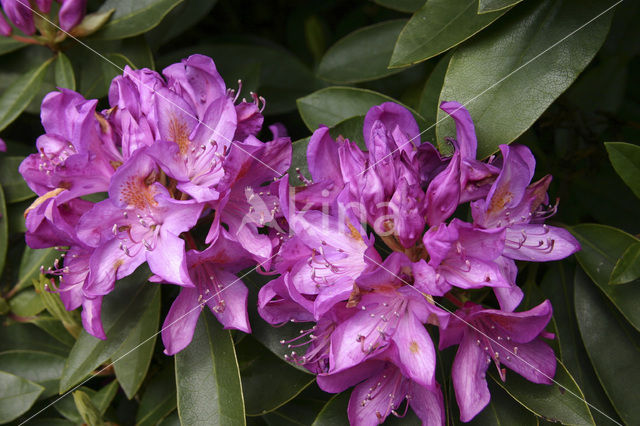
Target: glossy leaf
{"x":485,"y":6}
{"x":54,"y":328}
{"x":557,"y":403}
{"x":299,"y":161}
{"x":121,"y":311}
{"x":627,"y":268}
{"x":430,"y":98}
{"x":133,"y":18}
{"x":18,"y":95}
{"x":29,"y":337}
{"x":260,"y":369}
{"x":332,"y":105}
{"x":17,"y":395}
{"x":158,"y":399}
{"x":100,"y":400}
{"x":437,"y":27}
{"x":38,"y":367}
{"x":613,"y":346}
{"x":88,"y":411}
{"x":208,"y":384}
{"x":64,"y":75}
{"x":334,"y":413}
{"x":9,"y":45}
{"x":533,"y":53}
{"x":54,"y":305}
{"x":402,"y":5}
{"x":132,"y":359}
{"x":32,"y":260}
{"x":91,"y":23}
{"x":625,"y":158}
{"x":4,"y":230}
{"x":179,"y":20}
{"x":503,"y":410}
{"x":27,"y":303}
{"x":15,"y":188}
{"x":345,"y":61}
{"x":602,"y":246}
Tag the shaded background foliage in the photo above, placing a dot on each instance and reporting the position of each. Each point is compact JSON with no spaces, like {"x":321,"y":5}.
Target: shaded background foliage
{"x":327,"y":63}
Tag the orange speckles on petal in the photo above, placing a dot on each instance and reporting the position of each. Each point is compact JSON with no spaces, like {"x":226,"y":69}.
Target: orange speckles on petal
{"x":137,"y":193}
{"x":179,"y":133}
{"x":354,"y":232}
{"x":500,"y":199}
{"x":414,"y":348}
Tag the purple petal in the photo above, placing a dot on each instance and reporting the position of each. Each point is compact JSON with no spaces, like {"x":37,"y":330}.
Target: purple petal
{"x":443,"y":193}
{"x":415,"y":351}
{"x":91,"y":309}
{"x":234,"y":294}
{"x":521,"y":327}
{"x":468,"y":374}
{"x":465,"y":131}
{"x":71,"y":13}
{"x":20,"y":15}
{"x":539,"y":243}
{"x":391,"y":116}
{"x":180,"y":322}
{"x":535,"y":361}
{"x":428,"y":404}
{"x":339,"y":381}
{"x":5,"y":30}
{"x":168,"y":260}
{"x":322,"y":156}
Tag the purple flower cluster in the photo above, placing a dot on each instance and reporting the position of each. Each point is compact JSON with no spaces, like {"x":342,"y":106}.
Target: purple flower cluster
{"x":170,"y":154}
{"x":20,"y":13}
{"x":375,"y":243}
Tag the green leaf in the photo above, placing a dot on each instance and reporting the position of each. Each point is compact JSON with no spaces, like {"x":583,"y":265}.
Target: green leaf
{"x":558,"y":285}
{"x":260,"y":369}
{"x":67,"y":407}
{"x":402,"y":5}
{"x":184,"y":16}
{"x":503,"y":410}
{"x":38,"y":367}
{"x":121,"y":311}
{"x":351,"y":129}
{"x":372,"y":45}
{"x":64,"y":72}
{"x":102,"y":399}
{"x":4,"y":230}
{"x":334,"y":413}
{"x":32,"y":260}
{"x":54,"y":328}
{"x":602,"y":246}
{"x":158,"y":399}
{"x":299,"y":161}
{"x":17,"y":395}
{"x":9,"y":45}
{"x":430,"y":97}
{"x":627,"y":268}
{"x":613,"y":346}
{"x":88,"y":411}
{"x":437,"y":27}
{"x":556,"y":403}
{"x":132,"y":359}
{"x":29,"y":337}
{"x":625,"y":159}
{"x":270,"y":71}
{"x":27,"y":303}
{"x":132,"y":18}
{"x":207,"y":377}
{"x":91,"y":23}
{"x":18,"y":95}
{"x":332,"y":105}
{"x":55,"y":307}
{"x":534,"y":53}
{"x":15,"y":188}
{"x":486,"y":6}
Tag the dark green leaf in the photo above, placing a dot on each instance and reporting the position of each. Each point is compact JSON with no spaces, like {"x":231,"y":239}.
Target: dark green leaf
{"x":430,"y":98}
{"x":132,"y":359}
{"x":17,"y":395}
{"x":485,"y":6}
{"x":207,"y":377}
{"x":39,"y":367}
{"x":102,"y":399}
{"x":54,"y":328}
{"x":351,"y":129}
{"x":553,"y":402}
{"x":334,"y":413}
{"x":402,"y":5}
{"x":627,"y":268}
{"x":503,"y":410}
{"x":27,"y":303}
{"x":267,"y":70}
{"x":88,"y":411}
{"x":9,"y":45}
{"x":602,"y":246}
{"x":15,"y":188}
{"x":32,"y":260}
{"x":613,"y":346}
{"x":345,"y":61}
{"x":15,"y":216}
{"x":332,"y":105}
{"x":4,"y":230}
{"x":92,"y":23}
{"x":54,"y":306}
{"x":132,"y":18}
{"x":121,"y":311}
{"x":158,"y":399}
{"x":299,"y":161}
{"x":557,"y":284}
{"x":260,"y":369}
{"x":437,"y":27}
{"x":29,"y":337}
{"x":625,"y":158}
{"x":64,"y":72}
{"x":171,"y":420}
{"x":180,"y":19}
{"x":18,"y":95}
{"x":534,"y":53}
{"x":67,"y":407}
